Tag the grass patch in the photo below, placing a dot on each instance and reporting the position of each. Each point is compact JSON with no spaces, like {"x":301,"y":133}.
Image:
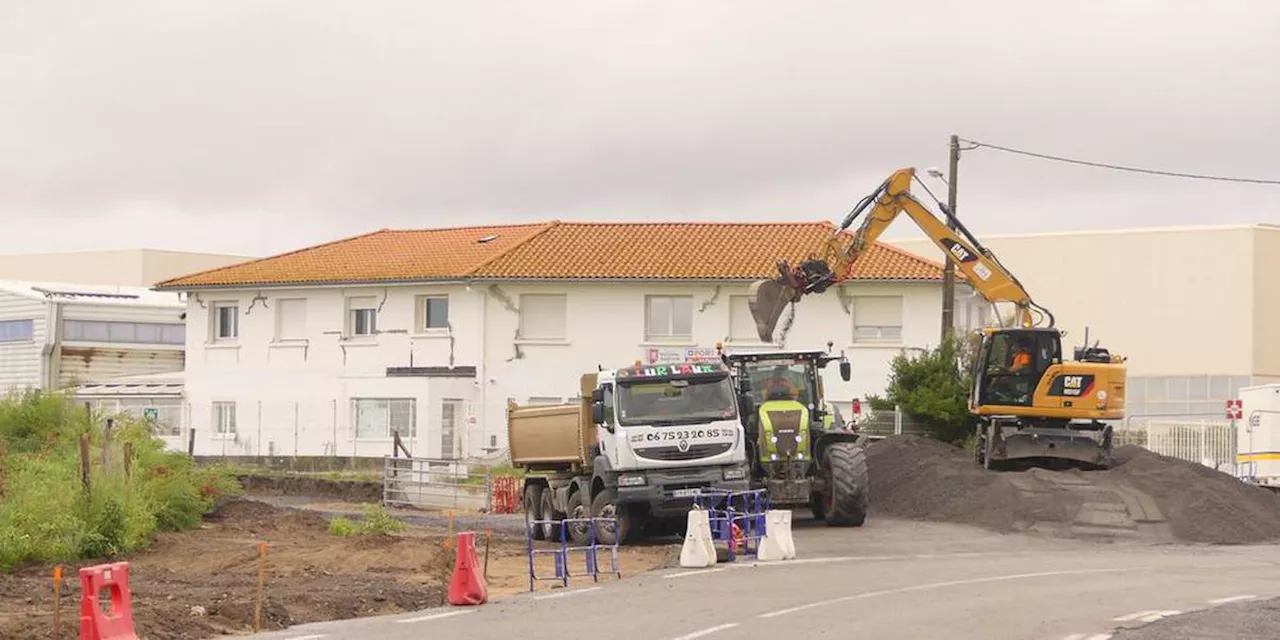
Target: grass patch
{"x":47,"y":515}
{"x":376,"y":521}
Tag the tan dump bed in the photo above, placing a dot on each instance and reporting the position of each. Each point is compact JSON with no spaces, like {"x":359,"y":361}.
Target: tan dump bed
{"x":552,"y":436}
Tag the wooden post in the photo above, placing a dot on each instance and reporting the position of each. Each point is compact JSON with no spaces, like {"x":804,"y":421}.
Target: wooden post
{"x":128,"y":459}
{"x":191,"y":443}
{"x":106,"y":441}
{"x":57,"y":602}
{"x":85,"y":462}
{"x":262,"y":576}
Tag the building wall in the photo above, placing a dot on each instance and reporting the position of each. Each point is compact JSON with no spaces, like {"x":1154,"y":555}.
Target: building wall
{"x":1186,"y":306}
{"x":303,"y":380}
{"x":20,"y":359}
{"x":82,"y":361}
{"x":131,"y":268}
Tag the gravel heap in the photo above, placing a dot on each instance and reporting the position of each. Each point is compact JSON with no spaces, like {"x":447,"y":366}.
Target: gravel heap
{"x":919,"y":478}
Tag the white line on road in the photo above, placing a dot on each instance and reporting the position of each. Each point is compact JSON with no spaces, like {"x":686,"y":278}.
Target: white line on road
{"x":707,"y":632}
{"x":750,"y":564}
{"x":1146,"y":616}
{"x":312,"y":637}
{"x":936,"y":585}
{"x":565,"y":594}
{"x":1231,"y":599}
{"x":1081,"y":636}
{"x":695,"y":572}
{"x":436,"y":616}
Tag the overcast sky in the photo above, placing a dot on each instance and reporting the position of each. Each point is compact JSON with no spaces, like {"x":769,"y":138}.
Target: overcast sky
{"x":260,"y":126}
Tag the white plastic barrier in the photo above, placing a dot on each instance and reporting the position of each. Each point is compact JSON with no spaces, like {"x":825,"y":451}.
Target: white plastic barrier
{"x":777,"y":543}
{"x":699,"y":549}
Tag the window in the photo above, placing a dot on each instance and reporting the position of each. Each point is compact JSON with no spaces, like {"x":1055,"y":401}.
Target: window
{"x":362,"y":316}
{"x":291,"y":319}
{"x":877,"y":318}
{"x":382,"y":417}
{"x":542,"y":317}
{"x":450,"y":421}
{"x":432,"y":313}
{"x":742,"y":327}
{"x":224,"y":418}
{"x":124,"y":332}
{"x":668,"y":317}
{"x":17,"y":330}
{"x":226,"y":321}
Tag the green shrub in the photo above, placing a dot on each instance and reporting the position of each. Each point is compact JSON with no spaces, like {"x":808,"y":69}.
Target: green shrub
{"x":45,"y":513}
{"x":341,"y":526}
{"x":376,"y":521}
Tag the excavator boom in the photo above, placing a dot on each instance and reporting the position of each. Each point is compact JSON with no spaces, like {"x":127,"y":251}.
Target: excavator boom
{"x":769,"y":298}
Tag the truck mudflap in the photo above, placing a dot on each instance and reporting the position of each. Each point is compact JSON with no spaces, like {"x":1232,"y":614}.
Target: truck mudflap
{"x":669,"y":493}
{"x":1042,"y":445}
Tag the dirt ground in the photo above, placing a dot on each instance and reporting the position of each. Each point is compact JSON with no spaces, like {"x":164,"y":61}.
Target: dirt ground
{"x":201,"y":584}
{"x":1144,"y":497}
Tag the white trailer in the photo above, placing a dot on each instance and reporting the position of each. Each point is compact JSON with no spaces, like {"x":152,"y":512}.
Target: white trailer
{"x":1258,"y":436}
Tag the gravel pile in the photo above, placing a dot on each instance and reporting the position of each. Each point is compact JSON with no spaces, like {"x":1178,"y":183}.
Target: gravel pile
{"x":918,"y":478}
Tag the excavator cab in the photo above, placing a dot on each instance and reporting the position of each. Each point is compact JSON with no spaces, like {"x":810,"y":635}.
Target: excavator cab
{"x":1010,"y":364}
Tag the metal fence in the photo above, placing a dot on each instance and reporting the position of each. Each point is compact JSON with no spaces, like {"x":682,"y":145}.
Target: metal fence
{"x":1205,"y":441}
{"x":429,"y":483}
{"x":882,"y":423}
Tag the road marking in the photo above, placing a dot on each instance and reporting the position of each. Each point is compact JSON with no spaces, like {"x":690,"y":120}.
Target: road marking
{"x":1146,"y":616}
{"x":936,"y":585}
{"x":707,"y":632}
{"x":313,"y":637}
{"x":753,"y":564}
{"x":1081,"y":636}
{"x":436,"y":616}
{"x":696,"y":572}
{"x":1231,"y":599}
{"x":565,"y":594}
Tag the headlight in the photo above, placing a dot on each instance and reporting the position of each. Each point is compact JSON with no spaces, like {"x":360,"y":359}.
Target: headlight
{"x":633,"y":480}
{"x":734,"y":473}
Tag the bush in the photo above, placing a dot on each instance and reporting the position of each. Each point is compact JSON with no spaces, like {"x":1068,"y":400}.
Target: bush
{"x":376,"y":521}
{"x":46,"y":515}
{"x":933,"y":388}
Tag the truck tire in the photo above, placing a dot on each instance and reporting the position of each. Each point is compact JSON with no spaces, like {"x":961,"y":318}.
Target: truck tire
{"x":550,"y":530}
{"x":847,"y":496}
{"x":604,"y":505}
{"x":578,"y":508}
{"x":533,"y":508}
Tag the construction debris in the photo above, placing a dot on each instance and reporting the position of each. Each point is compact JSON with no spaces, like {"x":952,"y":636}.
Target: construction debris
{"x":1144,"y":497}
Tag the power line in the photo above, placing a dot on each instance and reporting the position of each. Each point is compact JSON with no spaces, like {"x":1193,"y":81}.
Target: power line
{"x":1117,"y":167}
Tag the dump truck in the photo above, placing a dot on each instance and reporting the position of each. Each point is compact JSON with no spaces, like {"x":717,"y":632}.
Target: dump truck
{"x":1258,"y":436}
{"x":638,"y":447}
{"x":800,"y":456}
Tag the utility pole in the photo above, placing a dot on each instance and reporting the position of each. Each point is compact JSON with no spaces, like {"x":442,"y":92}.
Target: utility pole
{"x":949,"y":271}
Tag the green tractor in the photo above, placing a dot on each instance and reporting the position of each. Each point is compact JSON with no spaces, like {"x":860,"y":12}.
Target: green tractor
{"x":798,"y":451}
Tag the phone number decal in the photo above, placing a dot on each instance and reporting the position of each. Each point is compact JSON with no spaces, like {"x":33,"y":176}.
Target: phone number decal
{"x":679,"y":434}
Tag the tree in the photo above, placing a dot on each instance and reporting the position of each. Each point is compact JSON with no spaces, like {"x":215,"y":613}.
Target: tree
{"x":932,"y":387}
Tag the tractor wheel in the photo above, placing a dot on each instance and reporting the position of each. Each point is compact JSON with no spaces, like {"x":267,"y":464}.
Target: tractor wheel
{"x":533,"y":508}
{"x":847,"y":499}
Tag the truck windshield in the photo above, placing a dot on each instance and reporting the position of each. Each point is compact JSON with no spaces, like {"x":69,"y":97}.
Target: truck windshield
{"x":668,"y":402}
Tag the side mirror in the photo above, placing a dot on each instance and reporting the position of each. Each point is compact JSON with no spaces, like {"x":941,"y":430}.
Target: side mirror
{"x":597,"y":414}
{"x":846,"y":370}
{"x":597,"y":394}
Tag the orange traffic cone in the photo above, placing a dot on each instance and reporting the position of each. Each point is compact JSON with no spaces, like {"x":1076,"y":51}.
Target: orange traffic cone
{"x":467,"y":587}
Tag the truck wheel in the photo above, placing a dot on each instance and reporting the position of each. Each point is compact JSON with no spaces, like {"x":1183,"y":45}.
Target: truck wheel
{"x":847,"y":498}
{"x":604,"y":505}
{"x":533,"y":507}
{"x":550,"y":530}
{"x":578,"y":531}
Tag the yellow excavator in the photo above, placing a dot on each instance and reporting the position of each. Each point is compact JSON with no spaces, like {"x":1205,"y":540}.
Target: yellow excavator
{"x":1033,"y":407}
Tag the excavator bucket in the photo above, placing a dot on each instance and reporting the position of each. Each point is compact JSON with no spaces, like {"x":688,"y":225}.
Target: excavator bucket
{"x":767,"y":300}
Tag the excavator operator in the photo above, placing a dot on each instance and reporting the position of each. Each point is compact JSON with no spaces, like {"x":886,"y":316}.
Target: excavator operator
{"x":1021,"y":356}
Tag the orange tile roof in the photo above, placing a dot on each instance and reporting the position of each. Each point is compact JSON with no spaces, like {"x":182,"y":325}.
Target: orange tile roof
{"x":561,"y":250}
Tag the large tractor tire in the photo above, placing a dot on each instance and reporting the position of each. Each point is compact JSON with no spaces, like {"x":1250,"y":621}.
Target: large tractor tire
{"x":847,"y":499}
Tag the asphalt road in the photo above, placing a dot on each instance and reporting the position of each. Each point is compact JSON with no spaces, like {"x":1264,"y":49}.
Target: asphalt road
{"x":887,"y":580}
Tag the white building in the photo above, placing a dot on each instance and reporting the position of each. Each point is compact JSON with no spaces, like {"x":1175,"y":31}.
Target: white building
{"x":57,"y":335}
{"x":329,"y":350}
{"x":1193,"y":308}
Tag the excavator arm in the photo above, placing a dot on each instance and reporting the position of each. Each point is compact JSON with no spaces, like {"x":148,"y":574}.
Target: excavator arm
{"x":769,"y":298}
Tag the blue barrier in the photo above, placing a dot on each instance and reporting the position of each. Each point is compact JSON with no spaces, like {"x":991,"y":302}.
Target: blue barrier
{"x":560,"y":553}
{"x":747,"y":509}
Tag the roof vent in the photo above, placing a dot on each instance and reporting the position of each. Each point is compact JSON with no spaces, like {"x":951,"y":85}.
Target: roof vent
{"x":487,"y":239}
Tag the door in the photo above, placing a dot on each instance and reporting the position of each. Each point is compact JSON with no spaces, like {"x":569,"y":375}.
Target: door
{"x":451,"y":417}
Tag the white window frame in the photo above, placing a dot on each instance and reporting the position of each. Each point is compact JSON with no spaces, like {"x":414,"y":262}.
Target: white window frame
{"x":878,"y":334}
{"x":670,"y":333}
{"x":454,"y":434}
{"x":356,"y":307}
{"x":215,"y":322}
{"x":385,"y":431}
{"x":561,"y":334}
{"x":422,"y":322}
{"x":280,"y":304}
{"x":17,"y":330}
{"x":223,"y":416}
